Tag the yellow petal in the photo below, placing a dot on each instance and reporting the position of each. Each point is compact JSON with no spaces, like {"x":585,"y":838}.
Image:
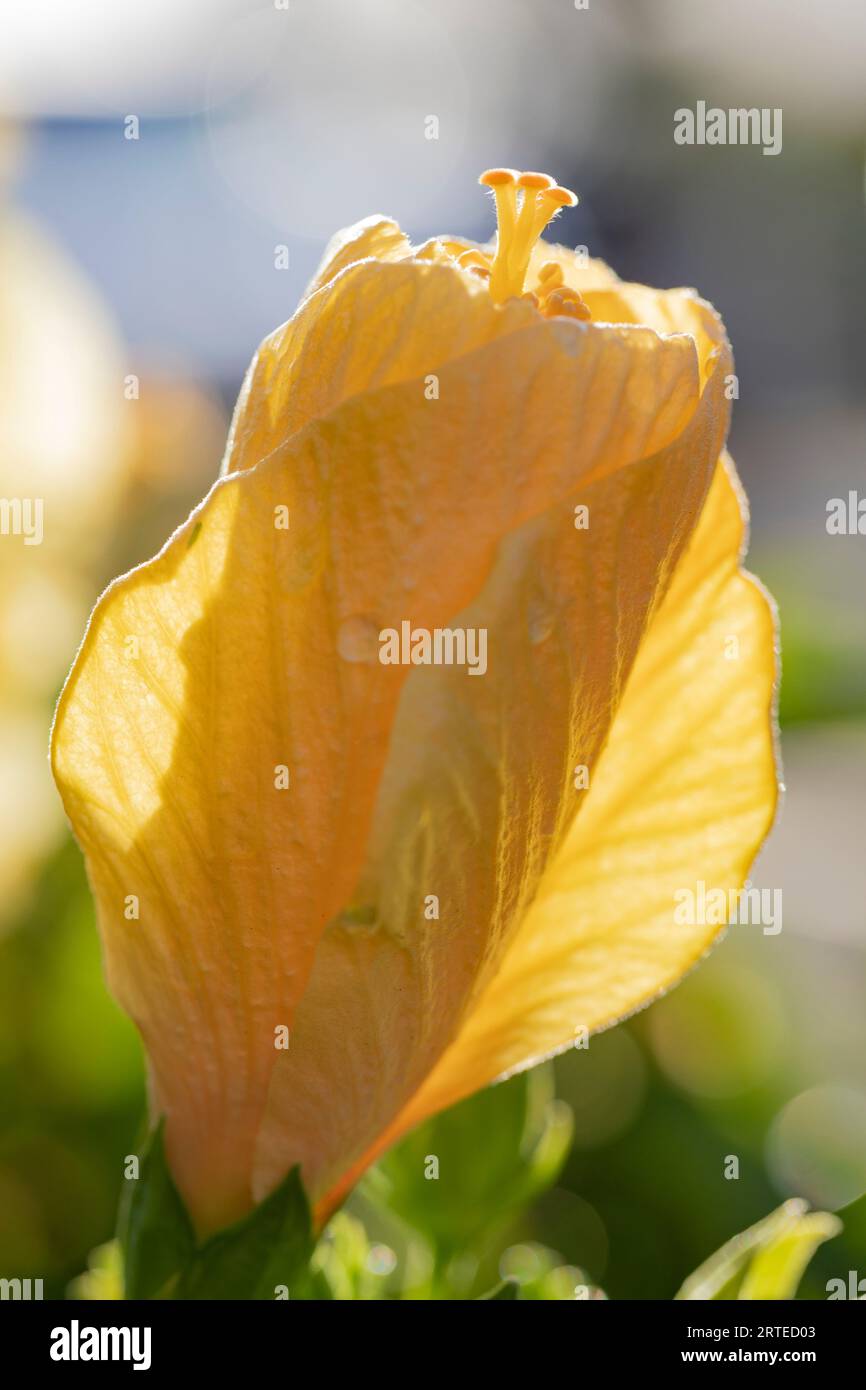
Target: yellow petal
{"x":666,"y":311}
{"x":685,"y":790}
{"x":378,"y":238}
{"x":614,"y":301}
{"x":381,"y":325}
{"x":375,"y":325}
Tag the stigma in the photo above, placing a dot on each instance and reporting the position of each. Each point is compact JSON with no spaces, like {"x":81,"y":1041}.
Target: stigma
{"x":525,"y":204}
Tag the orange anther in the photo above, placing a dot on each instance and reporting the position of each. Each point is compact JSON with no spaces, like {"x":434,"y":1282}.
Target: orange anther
{"x":568,"y":305}
{"x":563,"y":197}
{"x":536,"y":181}
{"x":498,"y":178}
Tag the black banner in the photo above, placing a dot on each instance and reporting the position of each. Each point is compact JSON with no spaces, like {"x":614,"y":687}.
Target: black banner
{"x":243,"y":1338}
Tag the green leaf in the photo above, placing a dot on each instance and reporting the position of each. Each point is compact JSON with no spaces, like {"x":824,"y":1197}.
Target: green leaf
{"x":767,"y":1260}
{"x":776,"y":1270}
{"x":264,"y":1256}
{"x":509,"y":1288}
{"x":155,"y":1231}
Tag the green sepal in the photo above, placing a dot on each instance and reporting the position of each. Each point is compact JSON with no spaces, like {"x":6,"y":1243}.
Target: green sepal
{"x":155,"y":1232}
{"x":264,"y":1256}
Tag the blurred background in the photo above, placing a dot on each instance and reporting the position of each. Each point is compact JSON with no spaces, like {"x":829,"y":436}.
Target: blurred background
{"x":169,"y":174}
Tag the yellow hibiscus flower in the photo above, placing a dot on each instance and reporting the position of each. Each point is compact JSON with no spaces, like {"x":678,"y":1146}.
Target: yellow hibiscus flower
{"x":337,"y":895}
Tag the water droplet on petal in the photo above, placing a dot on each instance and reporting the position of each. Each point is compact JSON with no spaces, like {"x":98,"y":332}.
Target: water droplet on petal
{"x":541,"y":620}
{"x":358,"y":638}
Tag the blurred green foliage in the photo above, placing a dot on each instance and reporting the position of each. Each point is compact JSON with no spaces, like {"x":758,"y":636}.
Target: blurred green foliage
{"x":823,"y":655}
{"x":457,"y":1195}
{"x":71,"y":1084}
{"x":437,"y":1181}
